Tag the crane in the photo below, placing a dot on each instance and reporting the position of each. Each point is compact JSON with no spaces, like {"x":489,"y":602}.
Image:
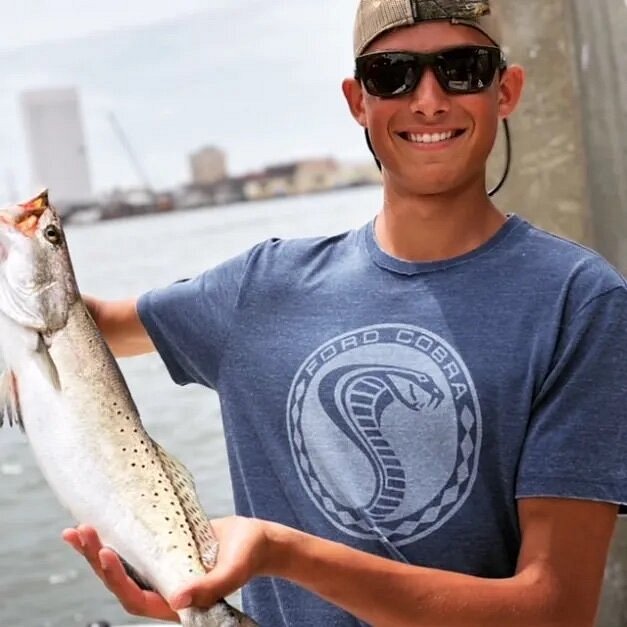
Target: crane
{"x":126,"y":145}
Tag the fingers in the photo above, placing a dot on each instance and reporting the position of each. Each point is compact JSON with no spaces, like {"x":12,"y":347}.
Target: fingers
{"x":72,"y":537}
{"x":107,"y":565}
{"x":133,"y":598}
{"x":85,"y":540}
{"x":207,"y":590}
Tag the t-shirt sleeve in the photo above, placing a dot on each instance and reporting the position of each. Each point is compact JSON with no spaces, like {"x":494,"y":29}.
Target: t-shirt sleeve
{"x":576,"y":444}
{"x":189,"y":321}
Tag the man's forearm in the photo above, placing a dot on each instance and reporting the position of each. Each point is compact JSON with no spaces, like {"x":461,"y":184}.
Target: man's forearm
{"x":385,"y":593}
{"x":120,"y":326}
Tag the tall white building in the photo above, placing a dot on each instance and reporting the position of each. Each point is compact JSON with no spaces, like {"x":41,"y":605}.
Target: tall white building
{"x":56,"y":145}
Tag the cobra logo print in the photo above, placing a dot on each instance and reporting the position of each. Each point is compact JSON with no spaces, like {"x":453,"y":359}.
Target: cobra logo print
{"x":385,"y":429}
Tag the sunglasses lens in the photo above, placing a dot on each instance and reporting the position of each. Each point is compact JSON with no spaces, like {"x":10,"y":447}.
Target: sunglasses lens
{"x":467,"y":70}
{"x":388,"y":75}
{"x":462,"y":70}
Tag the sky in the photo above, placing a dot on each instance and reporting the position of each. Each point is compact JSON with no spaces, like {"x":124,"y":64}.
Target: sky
{"x":261,"y":80}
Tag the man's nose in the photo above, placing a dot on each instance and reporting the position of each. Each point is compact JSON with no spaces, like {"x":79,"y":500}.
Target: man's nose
{"x":428,"y":98}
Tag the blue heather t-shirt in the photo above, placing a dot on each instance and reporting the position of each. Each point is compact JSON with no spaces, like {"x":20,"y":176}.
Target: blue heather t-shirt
{"x":403,"y":408}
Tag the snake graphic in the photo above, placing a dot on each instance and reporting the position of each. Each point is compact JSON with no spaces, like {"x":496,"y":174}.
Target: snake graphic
{"x":355,"y":398}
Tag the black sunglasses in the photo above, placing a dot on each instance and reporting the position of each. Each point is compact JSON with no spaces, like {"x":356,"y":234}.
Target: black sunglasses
{"x":459,"y":70}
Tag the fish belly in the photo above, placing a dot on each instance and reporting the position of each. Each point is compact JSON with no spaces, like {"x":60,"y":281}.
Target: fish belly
{"x":100,"y":490}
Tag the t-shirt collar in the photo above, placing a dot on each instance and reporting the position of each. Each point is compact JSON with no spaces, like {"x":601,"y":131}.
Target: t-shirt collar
{"x":401,"y":266}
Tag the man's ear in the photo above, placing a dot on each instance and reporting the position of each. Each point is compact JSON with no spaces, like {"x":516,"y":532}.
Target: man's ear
{"x":354,"y":94}
{"x":510,"y":90}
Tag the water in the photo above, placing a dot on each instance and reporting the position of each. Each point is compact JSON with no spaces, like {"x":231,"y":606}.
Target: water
{"x":42,"y":582}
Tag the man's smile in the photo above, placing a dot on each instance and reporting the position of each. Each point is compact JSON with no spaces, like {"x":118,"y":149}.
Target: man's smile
{"x":431,"y":140}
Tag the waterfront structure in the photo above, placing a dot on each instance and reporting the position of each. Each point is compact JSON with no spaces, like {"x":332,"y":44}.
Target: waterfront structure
{"x":56,"y":145}
{"x":315,"y":175}
{"x":208,"y":166}
{"x":570,"y":153}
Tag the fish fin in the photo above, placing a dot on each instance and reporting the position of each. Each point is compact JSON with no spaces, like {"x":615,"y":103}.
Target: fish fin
{"x":47,"y":364}
{"x":39,"y":202}
{"x":185,"y":489}
{"x":10,"y":400}
{"x":136,"y":577}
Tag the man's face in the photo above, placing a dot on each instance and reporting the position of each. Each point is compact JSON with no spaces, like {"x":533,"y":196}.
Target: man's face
{"x":405,"y":130}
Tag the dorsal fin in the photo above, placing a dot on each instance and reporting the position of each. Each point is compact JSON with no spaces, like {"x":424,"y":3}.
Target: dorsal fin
{"x":183,"y":484}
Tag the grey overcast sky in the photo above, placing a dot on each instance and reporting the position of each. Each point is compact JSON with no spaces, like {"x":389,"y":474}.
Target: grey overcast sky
{"x":260,"y":79}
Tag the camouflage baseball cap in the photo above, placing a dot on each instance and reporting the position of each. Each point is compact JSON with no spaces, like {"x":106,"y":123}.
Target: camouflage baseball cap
{"x":375,"y":17}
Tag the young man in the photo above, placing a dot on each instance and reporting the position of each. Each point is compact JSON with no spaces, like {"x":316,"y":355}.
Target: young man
{"x":430,"y":409}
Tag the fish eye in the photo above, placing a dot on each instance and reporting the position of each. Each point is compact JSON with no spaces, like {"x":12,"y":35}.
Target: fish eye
{"x":52,"y":234}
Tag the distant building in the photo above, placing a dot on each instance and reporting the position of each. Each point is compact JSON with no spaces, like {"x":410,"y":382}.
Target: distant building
{"x":355,"y":174}
{"x":208,"y":166}
{"x":315,"y":175}
{"x":297,"y":177}
{"x":56,"y":145}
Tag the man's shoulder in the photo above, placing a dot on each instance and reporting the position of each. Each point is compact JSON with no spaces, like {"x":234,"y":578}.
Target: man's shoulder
{"x":277,"y":254}
{"x":557,"y":258}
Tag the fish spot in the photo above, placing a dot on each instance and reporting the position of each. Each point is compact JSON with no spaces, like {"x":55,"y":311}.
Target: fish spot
{"x":119,"y":412}
{"x":134,"y":450}
{"x":156,"y":493}
{"x":124,"y":450}
{"x":133,"y":464}
{"x":143,"y":465}
{"x":121,"y":430}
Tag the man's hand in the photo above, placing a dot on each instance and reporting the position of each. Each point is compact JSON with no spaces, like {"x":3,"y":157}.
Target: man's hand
{"x":242,"y":548}
{"x":108,"y":567}
{"x":242,"y":555}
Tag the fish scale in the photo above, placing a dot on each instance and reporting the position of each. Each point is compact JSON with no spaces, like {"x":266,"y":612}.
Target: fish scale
{"x":65,"y":389}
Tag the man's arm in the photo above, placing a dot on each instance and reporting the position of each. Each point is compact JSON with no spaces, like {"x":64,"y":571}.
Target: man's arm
{"x":120,"y":325}
{"x":557,"y":584}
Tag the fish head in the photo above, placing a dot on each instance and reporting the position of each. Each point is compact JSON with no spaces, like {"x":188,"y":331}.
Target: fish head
{"x":37,"y":284}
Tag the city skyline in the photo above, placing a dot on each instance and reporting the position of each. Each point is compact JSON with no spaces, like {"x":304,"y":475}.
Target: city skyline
{"x":176,"y":83}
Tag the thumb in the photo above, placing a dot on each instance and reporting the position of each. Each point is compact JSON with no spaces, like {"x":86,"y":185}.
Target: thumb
{"x":205,"y":591}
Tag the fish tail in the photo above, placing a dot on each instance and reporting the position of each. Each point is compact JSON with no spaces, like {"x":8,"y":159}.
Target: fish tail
{"x":220,"y":615}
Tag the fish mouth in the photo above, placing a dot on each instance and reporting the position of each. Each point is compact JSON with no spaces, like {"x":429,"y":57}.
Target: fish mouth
{"x":24,"y":217}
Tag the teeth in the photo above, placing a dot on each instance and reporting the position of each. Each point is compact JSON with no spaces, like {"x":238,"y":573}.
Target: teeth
{"x":426,"y":138}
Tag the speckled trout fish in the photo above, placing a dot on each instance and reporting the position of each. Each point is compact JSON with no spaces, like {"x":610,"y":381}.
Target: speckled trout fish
{"x":63,"y":387}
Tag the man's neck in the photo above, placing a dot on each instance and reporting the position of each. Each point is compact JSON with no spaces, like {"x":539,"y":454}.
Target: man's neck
{"x":436,"y":227}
